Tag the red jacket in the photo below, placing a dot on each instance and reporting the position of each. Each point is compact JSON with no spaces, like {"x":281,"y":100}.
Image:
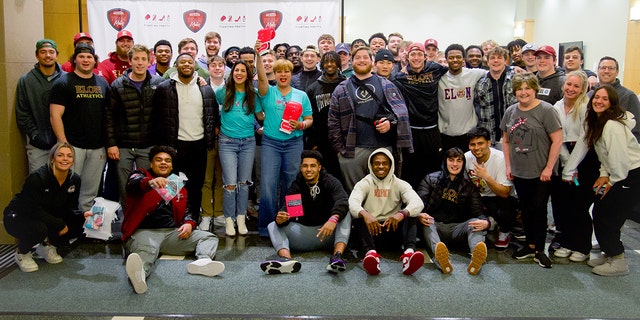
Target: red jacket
{"x":112,"y":67}
{"x":142,"y":200}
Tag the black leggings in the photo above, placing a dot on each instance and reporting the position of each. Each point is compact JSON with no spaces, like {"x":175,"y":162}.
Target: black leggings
{"x":31,"y":232}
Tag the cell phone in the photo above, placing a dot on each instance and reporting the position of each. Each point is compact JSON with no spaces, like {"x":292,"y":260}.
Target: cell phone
{"x":599,"y":192}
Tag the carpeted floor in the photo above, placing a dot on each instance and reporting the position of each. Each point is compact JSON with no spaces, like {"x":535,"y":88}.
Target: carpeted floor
{"x":92,"y":281}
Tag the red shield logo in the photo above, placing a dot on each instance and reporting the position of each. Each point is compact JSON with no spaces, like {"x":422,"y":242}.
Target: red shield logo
{"x":271,"y":19}
{"x":118,"y":18}
{"x":194,"y":19}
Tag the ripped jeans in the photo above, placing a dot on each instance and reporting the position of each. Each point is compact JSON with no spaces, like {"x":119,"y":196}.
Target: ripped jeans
{"x":236,"y":158}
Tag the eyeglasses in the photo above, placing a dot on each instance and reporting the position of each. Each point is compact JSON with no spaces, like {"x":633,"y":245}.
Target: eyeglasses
{"x":607,"y":68}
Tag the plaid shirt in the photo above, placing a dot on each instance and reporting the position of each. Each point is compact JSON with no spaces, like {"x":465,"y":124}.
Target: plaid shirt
{"x":341,"y":120}
{"x":484,"y":104}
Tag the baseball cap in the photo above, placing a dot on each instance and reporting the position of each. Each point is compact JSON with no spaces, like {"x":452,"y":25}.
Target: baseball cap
{"x":546,"y":49}
{"x":384,"y":54}
{"x":46,"y":43}
{"x":343,"y":47}
{"x":84,"y":48}
{"x":431,"y":42}
{"x":416,"y":46}
{"x":81,"y":35}
{"x":123,"y":34}
{"x":529,"y":47}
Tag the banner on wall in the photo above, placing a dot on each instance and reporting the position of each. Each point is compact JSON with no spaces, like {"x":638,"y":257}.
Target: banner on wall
{"x":296,"y":22}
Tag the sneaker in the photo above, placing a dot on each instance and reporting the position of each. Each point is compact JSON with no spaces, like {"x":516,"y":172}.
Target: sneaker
{"x":612,"y":267}
{"x":49,"y":253}
{"x":601,"y":259}
{"x":442,"y":257}
{"x":578,"y":256}
{"x":280,"y":266}
{"x":542,"y":259}
{"x":136,"y":273}
{"x":524,"y":252}
{"x":229,"y":227}
{"x":205,"y":224}
{"x":371,"y":263}
{"x":25,"y":262}
{"x":562,"y":252}
{"x":206,"y":267}
{"x":218,"y":221}
{"x":337,"y":264}
{"x":504,"y":238}
{"x":478,"y":258}
{"x":411,"y":262}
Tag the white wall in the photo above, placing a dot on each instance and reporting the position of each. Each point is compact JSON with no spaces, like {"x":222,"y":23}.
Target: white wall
{"x":600,"y":24}
{"x":447,"y":21}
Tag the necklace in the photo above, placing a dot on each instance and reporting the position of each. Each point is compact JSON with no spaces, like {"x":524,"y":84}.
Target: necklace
{"x":314,"y":190}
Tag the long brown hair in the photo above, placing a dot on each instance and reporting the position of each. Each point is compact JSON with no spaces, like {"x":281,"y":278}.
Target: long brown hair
{"x":249,"y":91}
{"x":595,"y":123}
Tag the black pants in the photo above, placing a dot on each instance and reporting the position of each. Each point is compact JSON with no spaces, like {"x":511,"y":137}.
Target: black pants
{"x":449,"y":142}
{"x":192,"y":161}
{"x":533,"y":195}
{"x":404,"y":235}
{"x":31,"y":232}
{"x":610,"y":212}
{"x":503,"y":211}
{"x":570,"y":204}
{"x":426,"y":158}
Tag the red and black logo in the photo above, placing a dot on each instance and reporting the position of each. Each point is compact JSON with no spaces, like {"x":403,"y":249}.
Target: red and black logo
{"x":118,"y":18}
{"x":194,"y":19}
{"x":271,"y":19}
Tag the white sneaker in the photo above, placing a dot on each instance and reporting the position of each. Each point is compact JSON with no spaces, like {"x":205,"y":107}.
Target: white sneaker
{"x":578,"y":257}
{"x":229,"y":227}
{"x":218,"y":221}
{"x":49,"y":253}
{"x":206,"y":267}
{"x":25,"y":262}
{"x":242,"y":226}
{"x":562,"y":252}
{"x":135,"y":271}
{"x":205,"y":224}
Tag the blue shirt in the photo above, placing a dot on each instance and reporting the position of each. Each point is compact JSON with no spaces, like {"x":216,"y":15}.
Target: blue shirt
{"x":236,"y":123}
{"x":273,"y":104}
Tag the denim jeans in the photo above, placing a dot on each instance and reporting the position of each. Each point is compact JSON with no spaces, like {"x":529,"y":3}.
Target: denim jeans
{"x":236,"y":158}
{"x":280,"y":165}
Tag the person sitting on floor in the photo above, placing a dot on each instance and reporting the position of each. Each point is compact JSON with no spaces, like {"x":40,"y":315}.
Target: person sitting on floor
{"x":486,"y":169}
{"x":453,"y":213}
{"x":376,"y":204}
{"x":43,"y":215}
{"x":153,"y":226}
{"x":324,"y":222}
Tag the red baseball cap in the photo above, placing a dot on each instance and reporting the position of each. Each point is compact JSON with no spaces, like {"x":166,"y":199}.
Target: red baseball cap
{"x":546,"y":49}
{"x":124,"y":34}
{"x":416,"y":46}
{"x":431,"y":42}
{"x":81,"y":35}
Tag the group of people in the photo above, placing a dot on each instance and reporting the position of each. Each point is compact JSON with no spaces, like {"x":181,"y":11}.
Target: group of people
{"x":372,"y":137}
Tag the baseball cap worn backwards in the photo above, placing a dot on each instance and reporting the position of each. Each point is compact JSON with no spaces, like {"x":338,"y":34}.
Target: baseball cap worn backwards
{"x":44,"y":43}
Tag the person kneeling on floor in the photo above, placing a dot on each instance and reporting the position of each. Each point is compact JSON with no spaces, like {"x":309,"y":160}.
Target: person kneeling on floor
{"x":454,"y":213}
{"x":153,"y":226}
{"x":376,"y":206}
{"x":324,"y":221}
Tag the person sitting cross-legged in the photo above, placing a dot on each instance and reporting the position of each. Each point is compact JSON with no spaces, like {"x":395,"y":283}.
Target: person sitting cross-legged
{"x":454,"y":213}
{"x":385,"y":207}
{"x":153,"y":226}
{"x":325,"y":221}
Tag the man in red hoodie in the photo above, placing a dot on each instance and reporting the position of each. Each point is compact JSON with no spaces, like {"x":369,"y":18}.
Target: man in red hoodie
{"x":153,"y":225}
{"x":118,"y":61}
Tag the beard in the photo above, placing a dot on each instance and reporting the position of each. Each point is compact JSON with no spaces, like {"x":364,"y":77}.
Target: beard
{"x":362,"y":70}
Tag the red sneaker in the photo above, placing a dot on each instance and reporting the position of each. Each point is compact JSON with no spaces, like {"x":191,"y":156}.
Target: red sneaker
{"x":411,"y":262}
{"x":371,"y":263}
